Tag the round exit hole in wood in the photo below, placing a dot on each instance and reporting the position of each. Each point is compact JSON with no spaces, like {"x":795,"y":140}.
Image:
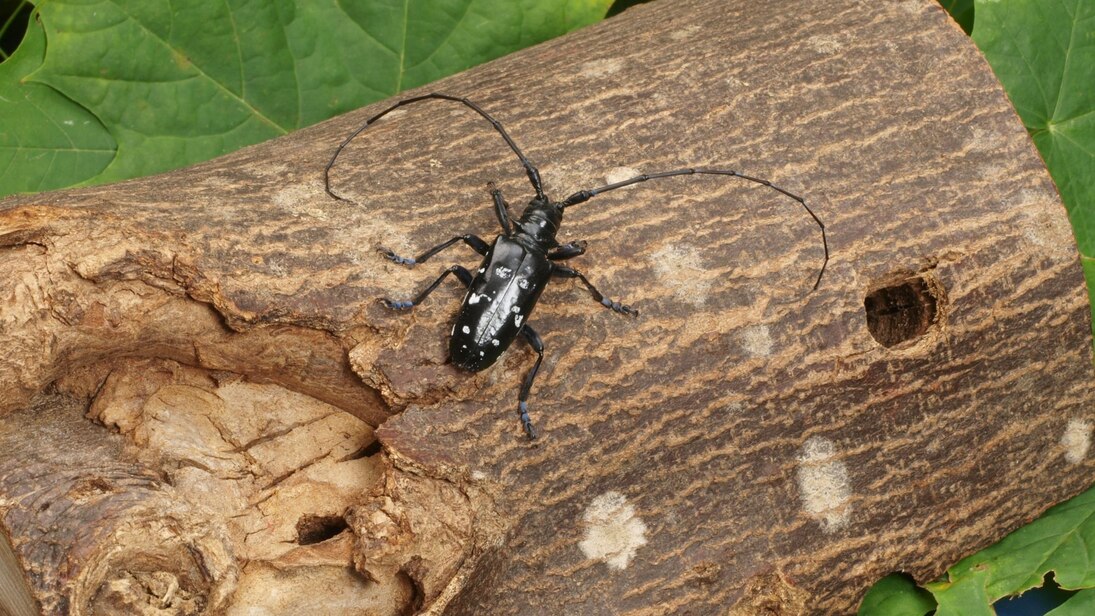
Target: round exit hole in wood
{"x":904,"y":311}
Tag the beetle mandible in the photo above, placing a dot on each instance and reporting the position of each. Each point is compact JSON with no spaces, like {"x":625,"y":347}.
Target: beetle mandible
{"x":519,"y":263}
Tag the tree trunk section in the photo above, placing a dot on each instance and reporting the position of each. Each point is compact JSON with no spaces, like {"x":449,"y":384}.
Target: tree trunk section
{"x":195,"y":362}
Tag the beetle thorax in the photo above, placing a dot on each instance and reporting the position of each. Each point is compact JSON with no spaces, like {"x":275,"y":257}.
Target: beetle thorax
{"x":540,"y":222}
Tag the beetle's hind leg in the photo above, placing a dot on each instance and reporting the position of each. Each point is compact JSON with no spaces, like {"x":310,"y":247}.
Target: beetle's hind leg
{"x":461,"y":273}
{"x":477,"y":244}
{"x":563,"y":271}
{"x":537,"y":345}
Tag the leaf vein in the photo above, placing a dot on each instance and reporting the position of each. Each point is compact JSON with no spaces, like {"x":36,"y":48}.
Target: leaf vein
{"x":202,"y":74}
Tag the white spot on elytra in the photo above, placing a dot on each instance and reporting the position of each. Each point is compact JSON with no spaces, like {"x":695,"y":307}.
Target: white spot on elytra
{"x":466,"y":329}
{"x":823,"y":484}
{"x":516,"y":309}
{"x":613,"y":531}
{"x":482,"y":269}
{"x":522,"y":282}
{"x":502,"y":271}
{"x":480,"y":353}
{"x":517,"y":320}
{"x":495,"y":342}
{"x":474,"y":299}
{"x":1076,"y":440}
{"x":757,"y":340}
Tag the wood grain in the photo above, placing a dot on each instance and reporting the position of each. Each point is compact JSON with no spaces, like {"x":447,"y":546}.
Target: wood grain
{"x":746,"y":444}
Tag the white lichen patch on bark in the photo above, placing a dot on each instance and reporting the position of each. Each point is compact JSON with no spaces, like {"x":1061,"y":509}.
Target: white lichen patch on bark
{"x":613,"y":532}
{"x":1076,"y":440}
{"x":757,"y":340}
{"x":682,"y":269}
{"x":823,"y":484}
{"x":619,"y":174}
{"x":596,"y":69}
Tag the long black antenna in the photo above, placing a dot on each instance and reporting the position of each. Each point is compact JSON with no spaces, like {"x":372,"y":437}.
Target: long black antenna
{"x":585,"y":195}
{"x":533,"y":173}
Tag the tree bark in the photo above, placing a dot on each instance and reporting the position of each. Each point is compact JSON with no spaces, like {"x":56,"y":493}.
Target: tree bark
{"x":746,"y":444}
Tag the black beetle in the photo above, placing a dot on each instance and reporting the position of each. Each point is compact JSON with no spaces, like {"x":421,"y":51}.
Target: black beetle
{"x":518,"y":265}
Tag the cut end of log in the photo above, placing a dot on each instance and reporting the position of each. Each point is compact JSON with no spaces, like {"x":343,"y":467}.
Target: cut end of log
{"x":185,"y":491}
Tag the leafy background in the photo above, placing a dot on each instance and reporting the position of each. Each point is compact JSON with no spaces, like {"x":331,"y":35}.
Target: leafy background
{"x":127,"y":88}
{"x":102,"y":90}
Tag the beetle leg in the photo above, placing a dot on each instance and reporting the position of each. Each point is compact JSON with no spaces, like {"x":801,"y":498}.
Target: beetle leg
{"x":461,"y":272}
{"x":563,"y":271}
{"x":501,"y":209}
{"x":537,"y":345}
{"x":568,"y":251}
{"x":476,"y":243}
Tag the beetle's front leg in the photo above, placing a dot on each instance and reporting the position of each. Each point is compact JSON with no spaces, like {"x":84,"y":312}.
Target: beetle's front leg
{"x":462,"y":273}
{"x":563,"y":271}
{"x":568,"y":251}
{"x":476,"y":243}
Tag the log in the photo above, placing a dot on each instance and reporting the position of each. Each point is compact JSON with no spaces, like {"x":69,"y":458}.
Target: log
{"x":177,"y":346}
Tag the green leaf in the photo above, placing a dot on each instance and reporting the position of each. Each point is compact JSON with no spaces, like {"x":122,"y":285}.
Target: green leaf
{"x":896,"y":595}
{"x":180,"y":82}
{"x":46,"y":140}
{"x":1088,"y":264}
{"x":1061,"y":541}
{"x":1079,"y":604}
{"x":961,"y":11}
{"x":965,"y":596}
{"x":1044,"y":53}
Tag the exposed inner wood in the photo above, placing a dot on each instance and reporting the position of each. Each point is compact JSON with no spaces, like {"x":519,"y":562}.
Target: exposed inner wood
{"x":745,"y":445}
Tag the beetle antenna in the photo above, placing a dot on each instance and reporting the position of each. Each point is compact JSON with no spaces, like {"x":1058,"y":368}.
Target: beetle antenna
{"x":585,"y":195}
{"x":530,"y":169}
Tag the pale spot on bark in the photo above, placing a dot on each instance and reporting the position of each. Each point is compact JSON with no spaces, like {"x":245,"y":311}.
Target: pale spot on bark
{"x":823,"y":484}
{"x":681,"y":268}
{"x":601,"y":68}
{"x":619,"y":174}
{"x":684,"y":33}
{"x":757,"y":340}
{"x":613,"y":532}
{"x":1076,"y":440}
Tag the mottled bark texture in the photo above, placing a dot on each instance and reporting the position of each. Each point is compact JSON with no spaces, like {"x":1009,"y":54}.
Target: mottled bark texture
{"x":745,"y":445}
